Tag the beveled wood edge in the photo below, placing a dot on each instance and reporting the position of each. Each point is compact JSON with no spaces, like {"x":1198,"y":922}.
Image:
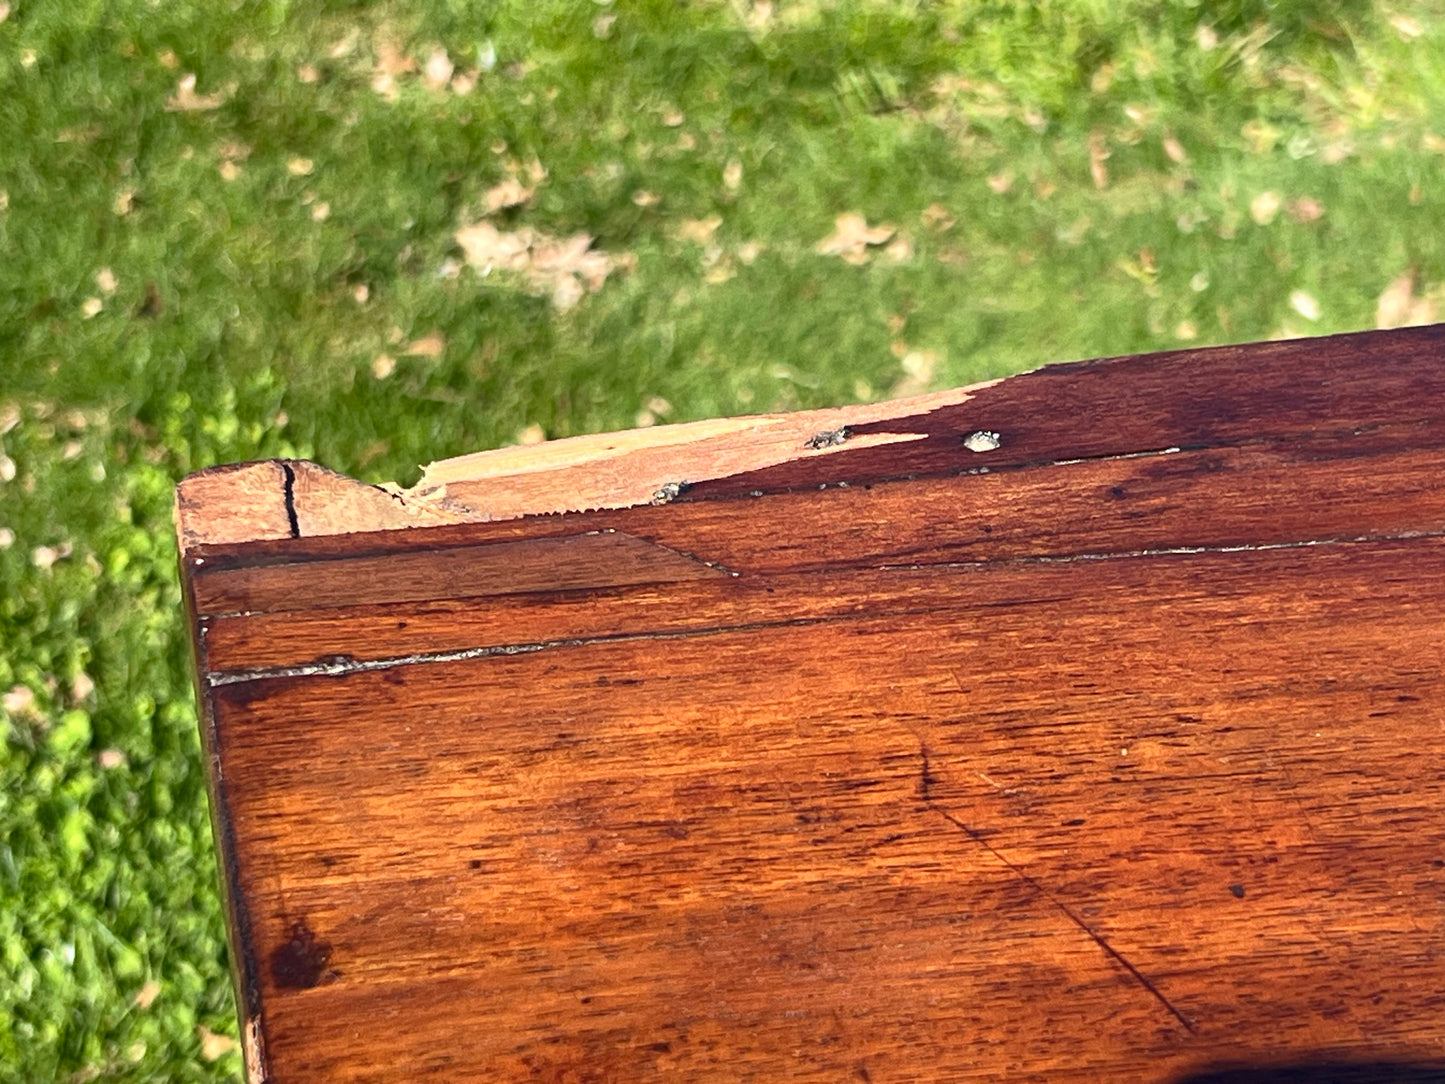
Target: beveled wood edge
{"x":295,"y":498}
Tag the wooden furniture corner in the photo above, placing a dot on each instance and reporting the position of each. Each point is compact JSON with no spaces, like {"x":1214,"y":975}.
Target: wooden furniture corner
{"x":1085,"y":725}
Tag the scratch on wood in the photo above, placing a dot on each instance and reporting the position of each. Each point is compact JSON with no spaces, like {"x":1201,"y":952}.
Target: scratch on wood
{"x":342,"y":667}
{"x":1176,"y":551}
{"x":925,"y":786}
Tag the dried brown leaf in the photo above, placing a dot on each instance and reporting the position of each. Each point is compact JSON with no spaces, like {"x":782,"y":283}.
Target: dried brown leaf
{"x":1399,"y":307}
{"x":852,"y":236}
{"x":1406,"y":26}
{"x":900,"y":249}
{"x":186,"y":100}
{"x":146,"y":996}
{"x":345,"y":46}
{"x":19,"y":703}
{"x":438,"y":70}
{"x":918,"y":370}
{"x":936,"y":217}
{"x":390,"y":60}
{"x":509,"y":193}
{"x":1305,"y":209}
{"x":1098,"y":156}
{"x":433,"y":345}
{"x":214,"y":1046}
{"x":565,"y":267}
{"x":1393,"y":306}
{"x":698,"y":231}
{"x":486,"y":247}
{"x":1264,"y":208}
{"x":81,"y":686}
{"x":1304,"y":303}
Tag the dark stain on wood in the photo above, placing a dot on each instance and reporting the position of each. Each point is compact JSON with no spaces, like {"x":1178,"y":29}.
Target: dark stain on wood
{"x":300,"y":962}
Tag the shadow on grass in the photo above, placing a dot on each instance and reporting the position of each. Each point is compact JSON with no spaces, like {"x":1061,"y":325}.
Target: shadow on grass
{"x":1322,"y":1072}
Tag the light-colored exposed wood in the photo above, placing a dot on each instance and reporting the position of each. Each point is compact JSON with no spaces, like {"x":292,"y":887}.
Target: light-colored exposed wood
{"x":241,"y":503}
{"x":328,"y":503}
{"x":290,"y":498}
{"x":297,"y":498}
{"x":620,"y":470}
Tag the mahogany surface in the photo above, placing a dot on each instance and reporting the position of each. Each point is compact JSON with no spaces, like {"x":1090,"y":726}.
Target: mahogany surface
{"x":1114,"y":753}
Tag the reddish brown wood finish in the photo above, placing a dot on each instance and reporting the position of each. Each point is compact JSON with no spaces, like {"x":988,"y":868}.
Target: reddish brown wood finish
{"x":1115,"y":753}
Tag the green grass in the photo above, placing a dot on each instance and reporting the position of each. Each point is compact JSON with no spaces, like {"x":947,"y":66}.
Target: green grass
{"x":172,"y":296}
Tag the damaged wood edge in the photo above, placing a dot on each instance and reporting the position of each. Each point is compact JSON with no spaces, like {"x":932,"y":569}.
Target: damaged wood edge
{"x":295,"y":498}
{"x":290,"y":498}
{"x":253,"y":1047}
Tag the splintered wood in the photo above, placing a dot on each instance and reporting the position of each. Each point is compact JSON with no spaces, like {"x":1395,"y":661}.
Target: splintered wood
{"x":1088,"y":725}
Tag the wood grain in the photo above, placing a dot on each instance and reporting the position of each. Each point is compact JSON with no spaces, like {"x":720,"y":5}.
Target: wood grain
{"x":1120,"y":759}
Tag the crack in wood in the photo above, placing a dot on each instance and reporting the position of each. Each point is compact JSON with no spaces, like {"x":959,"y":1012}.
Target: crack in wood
{"x":1165,"y":551}
{"x":288,"y":491}
{"x":346,"y":665}
{"x":926,"y":783}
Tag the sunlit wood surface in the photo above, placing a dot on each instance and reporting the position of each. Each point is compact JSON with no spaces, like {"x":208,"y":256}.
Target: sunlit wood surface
{"x":1113,"y":750}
